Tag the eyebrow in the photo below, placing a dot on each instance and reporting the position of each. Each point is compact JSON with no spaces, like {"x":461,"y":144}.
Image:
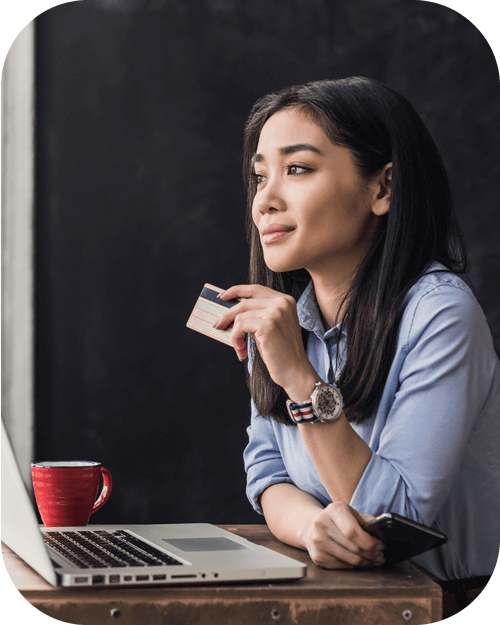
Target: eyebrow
{"x":288,"y":149}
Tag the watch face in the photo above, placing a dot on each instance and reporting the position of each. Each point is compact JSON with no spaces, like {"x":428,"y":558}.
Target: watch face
{"x":327,"y":403}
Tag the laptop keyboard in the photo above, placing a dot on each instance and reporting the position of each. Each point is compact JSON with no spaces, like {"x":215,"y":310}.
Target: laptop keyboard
{"x":97,"y":549}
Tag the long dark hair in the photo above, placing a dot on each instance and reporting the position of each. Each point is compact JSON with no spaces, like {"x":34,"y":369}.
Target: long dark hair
{"x":377,"y":125}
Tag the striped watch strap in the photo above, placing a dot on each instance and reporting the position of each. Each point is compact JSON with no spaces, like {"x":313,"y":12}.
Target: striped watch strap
{"x":301,"y":413}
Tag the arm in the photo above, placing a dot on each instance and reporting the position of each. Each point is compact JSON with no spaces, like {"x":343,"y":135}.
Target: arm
{"x":332,"y":535}
{"x":289,"y":512}
{"x":339,"y":454}
{"x":444,"y":375}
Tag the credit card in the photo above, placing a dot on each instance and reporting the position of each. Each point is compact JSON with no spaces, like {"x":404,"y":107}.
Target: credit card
{"x":207,"y":311}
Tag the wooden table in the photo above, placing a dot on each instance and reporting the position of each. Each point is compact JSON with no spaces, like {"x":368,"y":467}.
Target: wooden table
{"x":378,"y":596}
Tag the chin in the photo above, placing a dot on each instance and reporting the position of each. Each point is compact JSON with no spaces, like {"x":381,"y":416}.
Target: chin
{"x":281,"y":265}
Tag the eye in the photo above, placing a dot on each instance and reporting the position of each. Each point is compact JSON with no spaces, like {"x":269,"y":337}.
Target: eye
{"x":295,"y":170}
{"x":258,"y":178}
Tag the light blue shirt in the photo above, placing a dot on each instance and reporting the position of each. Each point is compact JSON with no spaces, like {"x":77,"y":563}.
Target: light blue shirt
{"x":435,"y":437}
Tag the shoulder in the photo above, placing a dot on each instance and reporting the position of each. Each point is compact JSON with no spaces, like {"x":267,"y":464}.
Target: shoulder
{"x":443,"y":302}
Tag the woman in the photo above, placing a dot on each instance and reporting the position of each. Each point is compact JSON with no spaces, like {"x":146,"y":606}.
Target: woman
{"x":355,"y":251}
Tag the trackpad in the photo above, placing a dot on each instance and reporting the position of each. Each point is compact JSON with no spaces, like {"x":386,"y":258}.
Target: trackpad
{"x":205,"y":544}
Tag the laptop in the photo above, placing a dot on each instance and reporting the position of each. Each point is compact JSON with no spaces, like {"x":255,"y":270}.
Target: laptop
{"x":131,"y":555}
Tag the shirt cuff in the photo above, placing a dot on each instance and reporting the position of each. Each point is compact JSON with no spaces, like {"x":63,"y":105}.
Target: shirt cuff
{"x":263,"y":464}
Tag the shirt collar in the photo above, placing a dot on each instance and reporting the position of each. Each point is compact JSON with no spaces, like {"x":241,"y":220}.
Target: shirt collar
{"x":310,"y":317}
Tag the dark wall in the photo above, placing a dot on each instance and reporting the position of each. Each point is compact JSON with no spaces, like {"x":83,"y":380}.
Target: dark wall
{"x":140,"y":112}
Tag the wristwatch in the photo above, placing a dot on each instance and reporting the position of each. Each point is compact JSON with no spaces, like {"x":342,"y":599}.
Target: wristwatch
{"x":325,"y":404}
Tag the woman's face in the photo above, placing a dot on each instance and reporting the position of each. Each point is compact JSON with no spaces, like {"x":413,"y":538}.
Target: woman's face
{"x":310,"y":207}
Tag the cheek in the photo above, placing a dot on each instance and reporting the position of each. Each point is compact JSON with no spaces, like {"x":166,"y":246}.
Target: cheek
{"x":339,"y":217}
{"x":255,"y":214}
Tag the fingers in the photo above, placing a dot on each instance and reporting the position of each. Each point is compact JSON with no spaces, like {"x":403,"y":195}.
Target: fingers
{"x":326,"y":550}
{"x":246,"y":323}
{"x":271,"y":318}
{"x":337,"y":537}
{"x":246,"y":305}
{"x":253,"y":296}
{"x":240,"y":329}
{"x":261,"y":311}
{"x":349,"y":522}
{"x":344,"y":548}
{"x":248,"y":291}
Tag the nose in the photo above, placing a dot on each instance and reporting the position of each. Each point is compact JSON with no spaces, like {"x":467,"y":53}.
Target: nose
{"x":269,"y":197}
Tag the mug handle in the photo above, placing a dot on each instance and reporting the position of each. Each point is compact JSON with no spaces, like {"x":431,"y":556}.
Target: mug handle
{"x":107,"y":484}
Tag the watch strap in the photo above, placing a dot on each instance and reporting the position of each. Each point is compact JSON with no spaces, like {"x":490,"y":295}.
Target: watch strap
{"x":301,"y":413}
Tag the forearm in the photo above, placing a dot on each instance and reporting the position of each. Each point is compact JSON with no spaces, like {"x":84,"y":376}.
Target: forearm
{"x":289,"y":512}
{"x":339,"y":454}
{"x":332,"y":536}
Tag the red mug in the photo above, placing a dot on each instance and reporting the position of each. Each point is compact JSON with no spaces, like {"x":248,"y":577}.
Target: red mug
{"x":66,"y":492}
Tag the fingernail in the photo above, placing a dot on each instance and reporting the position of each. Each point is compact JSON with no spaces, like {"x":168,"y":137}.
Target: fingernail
{"x":379,"y":561}
{"x":380,"y":547}
{"x":216,"y":324}
{"x":221,"y":294}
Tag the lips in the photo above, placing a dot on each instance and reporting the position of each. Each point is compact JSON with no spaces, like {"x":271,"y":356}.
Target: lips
{"x":274,"y":232}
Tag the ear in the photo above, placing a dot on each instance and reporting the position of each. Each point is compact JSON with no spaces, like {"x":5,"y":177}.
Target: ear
{"x":382,"y":191}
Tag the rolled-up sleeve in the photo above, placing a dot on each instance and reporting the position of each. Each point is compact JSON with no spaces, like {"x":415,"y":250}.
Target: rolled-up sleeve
{"x":263,"y":461}
{"x":443,"y":381}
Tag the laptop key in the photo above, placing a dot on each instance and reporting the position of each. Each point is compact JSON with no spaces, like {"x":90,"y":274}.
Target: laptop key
{"x":100,"y":549}
{"x":149,"y":549}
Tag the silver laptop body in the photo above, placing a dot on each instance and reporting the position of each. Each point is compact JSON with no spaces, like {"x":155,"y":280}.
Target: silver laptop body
{"x":129,"y":555}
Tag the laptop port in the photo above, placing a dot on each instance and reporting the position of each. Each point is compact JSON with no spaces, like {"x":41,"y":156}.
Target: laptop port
{"x":81,"y":580}
{"x":158,"y":577}
{"x":127,"y":578}
{"x":114,"y":579}
{"x":98,"y":579}
{"x":141,"y":578}
{"x":183,"y":576}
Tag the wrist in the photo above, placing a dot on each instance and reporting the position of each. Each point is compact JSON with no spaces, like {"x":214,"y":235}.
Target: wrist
{"x":305,"y":529}
{"x":324,"y":404}
{"x":303,"y":385}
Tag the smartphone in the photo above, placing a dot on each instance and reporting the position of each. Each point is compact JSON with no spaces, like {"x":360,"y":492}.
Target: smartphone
{"x":403,"y":537}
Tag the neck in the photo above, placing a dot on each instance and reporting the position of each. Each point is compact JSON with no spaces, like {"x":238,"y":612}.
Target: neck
{"x":330,"y":289}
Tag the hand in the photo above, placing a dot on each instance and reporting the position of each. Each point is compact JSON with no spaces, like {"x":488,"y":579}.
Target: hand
{"x":336,"y":540}
{"x":271,"y":318}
